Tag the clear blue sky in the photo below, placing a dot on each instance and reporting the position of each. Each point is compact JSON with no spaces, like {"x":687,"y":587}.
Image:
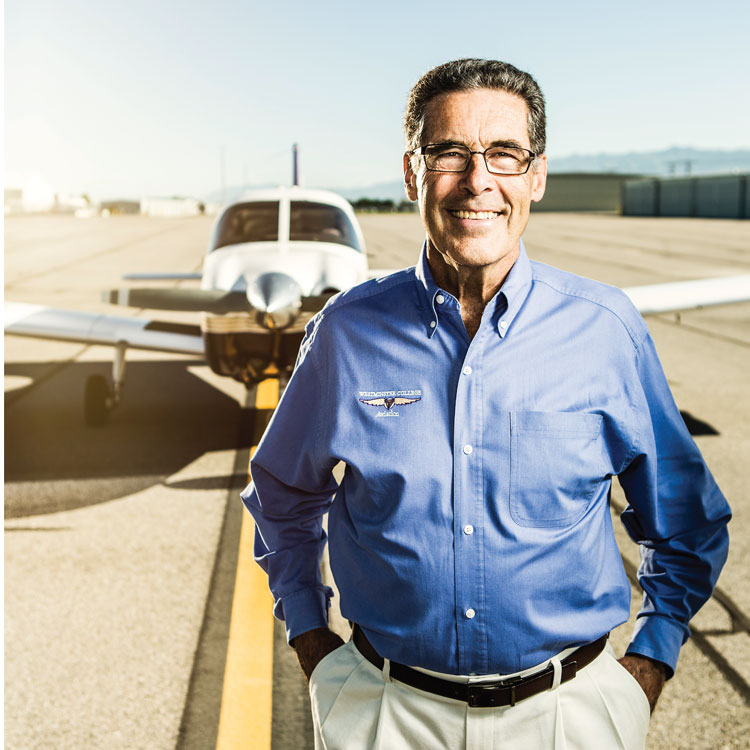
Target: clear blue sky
{"x":140,"y":97}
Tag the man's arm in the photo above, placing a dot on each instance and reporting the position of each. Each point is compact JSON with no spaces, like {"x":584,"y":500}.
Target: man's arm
{"x":677,"y":514}
{"x":291,"y":490}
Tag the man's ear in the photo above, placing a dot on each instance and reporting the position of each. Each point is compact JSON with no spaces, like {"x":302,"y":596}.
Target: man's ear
{"x":539,"y":178}
{"x":410,"y":179}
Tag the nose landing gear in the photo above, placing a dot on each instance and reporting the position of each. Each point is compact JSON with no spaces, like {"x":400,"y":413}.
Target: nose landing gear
{"x":99,"y":399}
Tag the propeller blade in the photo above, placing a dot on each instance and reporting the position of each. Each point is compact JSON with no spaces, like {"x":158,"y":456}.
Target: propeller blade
{"x":275,"y":298}
{"x":189,"y":300}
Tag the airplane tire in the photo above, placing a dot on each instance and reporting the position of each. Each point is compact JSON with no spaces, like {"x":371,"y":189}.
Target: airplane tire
{"x":97,"y":402}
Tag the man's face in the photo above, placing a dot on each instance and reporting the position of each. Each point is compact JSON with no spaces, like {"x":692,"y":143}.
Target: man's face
{"x":478,"y":119}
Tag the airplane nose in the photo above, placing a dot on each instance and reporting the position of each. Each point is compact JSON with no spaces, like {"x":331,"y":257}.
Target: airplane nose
{"x":276,"y":299}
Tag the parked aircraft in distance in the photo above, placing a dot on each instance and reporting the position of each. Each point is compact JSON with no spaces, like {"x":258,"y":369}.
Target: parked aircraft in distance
{"x":274,"y":258}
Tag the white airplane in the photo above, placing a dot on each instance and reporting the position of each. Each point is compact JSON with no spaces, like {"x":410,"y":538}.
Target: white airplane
{"x":274,"y":258}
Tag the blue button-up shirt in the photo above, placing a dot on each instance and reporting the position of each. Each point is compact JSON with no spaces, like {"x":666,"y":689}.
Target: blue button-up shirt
{"x":471,"y":533}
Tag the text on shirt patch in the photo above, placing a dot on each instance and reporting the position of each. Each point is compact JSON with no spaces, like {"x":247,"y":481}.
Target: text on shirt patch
{"x":389,"y":399}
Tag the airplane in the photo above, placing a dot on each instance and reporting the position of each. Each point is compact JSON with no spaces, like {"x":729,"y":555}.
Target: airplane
{"x":274,"y":258}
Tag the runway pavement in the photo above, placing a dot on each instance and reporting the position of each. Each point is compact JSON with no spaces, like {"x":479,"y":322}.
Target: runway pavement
{"x":123,"y":627}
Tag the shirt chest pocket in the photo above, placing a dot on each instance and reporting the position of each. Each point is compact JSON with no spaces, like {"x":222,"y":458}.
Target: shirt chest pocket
{"x":557,"y":462}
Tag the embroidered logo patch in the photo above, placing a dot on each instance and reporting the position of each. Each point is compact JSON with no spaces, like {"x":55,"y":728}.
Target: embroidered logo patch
{"x":389,"y":399}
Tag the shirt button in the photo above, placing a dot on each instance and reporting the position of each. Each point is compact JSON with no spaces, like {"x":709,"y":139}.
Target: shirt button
{"x":466,"y":370}
{"x":468,"y":529}
{"x":503,"y":325}
{"x":470,"y":613}
{"x":440,"y":299}
{"x":468,"y":449}
{"x":432,"y":324}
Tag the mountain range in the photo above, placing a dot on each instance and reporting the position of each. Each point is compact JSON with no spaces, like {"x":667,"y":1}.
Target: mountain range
{"x":675,"y":161}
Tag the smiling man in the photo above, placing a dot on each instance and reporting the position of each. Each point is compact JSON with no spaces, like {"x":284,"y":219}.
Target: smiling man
{"x":482,"y":403}
{"x":474,"y":220}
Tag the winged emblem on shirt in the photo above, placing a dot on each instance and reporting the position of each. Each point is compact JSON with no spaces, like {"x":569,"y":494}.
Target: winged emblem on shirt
{"x":390,"y":401}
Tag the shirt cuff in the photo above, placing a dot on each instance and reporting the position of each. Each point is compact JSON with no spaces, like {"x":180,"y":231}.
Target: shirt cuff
{"x":658,"y":638}
{"x":305,"y":610}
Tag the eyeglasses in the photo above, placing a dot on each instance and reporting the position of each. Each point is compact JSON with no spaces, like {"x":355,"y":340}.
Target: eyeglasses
{"x":453,"y":157}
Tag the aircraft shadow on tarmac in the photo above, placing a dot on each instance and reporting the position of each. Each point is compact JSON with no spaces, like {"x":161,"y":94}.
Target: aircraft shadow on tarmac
{"x":697,"y":426}
{"x":167,"y":418}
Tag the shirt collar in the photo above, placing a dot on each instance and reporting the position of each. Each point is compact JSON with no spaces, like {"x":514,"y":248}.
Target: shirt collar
{"x":504,"y":306}
{"x":515,"y":289}
{"x":427,"y":291}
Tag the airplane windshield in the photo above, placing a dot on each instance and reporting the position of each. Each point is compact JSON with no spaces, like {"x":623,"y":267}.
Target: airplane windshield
{"x":257,"y":221}
{"x":321,"y":222}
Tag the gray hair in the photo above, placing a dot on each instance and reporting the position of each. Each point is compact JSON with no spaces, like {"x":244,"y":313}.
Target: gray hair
{"x":469,"y":74}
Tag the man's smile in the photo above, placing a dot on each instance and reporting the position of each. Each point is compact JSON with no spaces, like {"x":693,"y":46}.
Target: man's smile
{"x":475,"y":215}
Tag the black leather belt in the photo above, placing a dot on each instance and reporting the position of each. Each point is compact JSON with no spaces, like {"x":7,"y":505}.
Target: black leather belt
{"x":488,"y":694}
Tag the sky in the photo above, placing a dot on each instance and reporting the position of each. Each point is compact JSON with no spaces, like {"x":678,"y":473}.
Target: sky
{"x":127,"y":99}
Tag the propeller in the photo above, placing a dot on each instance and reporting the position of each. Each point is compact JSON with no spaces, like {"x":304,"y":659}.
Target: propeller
{"x":189,"y":300}
{"x":275,"y":298}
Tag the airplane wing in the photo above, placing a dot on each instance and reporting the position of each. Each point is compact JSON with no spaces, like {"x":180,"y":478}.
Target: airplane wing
{"x":162,"y":276}
{"x":674,"y":296}
{"x":39,"y":321}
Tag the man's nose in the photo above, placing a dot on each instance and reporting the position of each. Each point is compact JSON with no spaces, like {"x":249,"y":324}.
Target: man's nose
{"x":476,"y":177}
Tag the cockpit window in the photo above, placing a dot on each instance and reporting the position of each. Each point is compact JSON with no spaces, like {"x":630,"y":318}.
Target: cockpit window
{"x":257,"y":221}
{"x":321,"y":222}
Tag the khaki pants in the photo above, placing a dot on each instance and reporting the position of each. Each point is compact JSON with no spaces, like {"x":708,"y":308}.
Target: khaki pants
{"x":356,"y":707}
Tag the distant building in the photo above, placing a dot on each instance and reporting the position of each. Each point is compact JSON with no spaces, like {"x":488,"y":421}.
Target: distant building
{"x":120,"y":207}
{"x":34,"y":196}
{"x":582,"y":191}
{"x":725,"y":196}
{"x":176,"y":206}
{"x":13,"y":200}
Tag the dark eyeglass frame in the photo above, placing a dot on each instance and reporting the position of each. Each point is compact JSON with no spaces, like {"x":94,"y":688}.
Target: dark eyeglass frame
{"x":421,"y":151}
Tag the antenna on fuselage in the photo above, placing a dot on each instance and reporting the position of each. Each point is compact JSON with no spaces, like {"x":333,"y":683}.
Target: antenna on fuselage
{"x":295,"y":169}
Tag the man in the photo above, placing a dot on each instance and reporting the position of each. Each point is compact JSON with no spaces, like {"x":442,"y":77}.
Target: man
{"x":481,"y":403}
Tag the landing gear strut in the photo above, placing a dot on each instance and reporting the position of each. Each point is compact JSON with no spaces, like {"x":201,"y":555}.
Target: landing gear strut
{"x":99,"y":399}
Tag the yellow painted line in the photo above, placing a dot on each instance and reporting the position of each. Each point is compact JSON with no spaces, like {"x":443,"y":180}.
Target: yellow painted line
{"x":245,"y":718}
{"x":267,"y":394}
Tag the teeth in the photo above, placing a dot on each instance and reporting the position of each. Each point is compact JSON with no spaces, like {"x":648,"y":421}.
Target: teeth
{"x":474,"y":214}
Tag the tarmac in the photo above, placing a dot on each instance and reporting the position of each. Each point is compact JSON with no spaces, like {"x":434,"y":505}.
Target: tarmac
{"x":122,"y":543}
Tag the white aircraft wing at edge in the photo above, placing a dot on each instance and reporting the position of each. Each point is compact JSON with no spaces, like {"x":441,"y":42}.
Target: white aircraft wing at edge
{"x":675,"y":296}
{"x":39,"y":321}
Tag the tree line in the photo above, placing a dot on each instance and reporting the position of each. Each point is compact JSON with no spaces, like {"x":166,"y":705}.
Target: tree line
{"x":379,"y":205}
